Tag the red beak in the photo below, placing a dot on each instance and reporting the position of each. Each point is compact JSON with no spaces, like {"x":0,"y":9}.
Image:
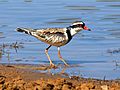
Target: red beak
{"x":86,"y":28}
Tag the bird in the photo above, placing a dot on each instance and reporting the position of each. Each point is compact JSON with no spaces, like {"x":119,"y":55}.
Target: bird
{"x":55,"y":36}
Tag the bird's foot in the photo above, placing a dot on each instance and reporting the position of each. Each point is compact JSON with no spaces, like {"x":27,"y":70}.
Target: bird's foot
{"x":53,"y":66}
{"x":67,"y":65}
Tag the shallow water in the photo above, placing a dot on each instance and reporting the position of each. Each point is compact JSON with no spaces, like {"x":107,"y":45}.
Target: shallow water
{"x":97,"y":52}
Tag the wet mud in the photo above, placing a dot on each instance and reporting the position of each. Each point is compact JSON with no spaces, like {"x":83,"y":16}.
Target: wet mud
{"x":13,"y":77}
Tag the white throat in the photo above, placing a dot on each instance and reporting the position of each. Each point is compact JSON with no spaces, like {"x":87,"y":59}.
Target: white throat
{"x":74,"y":31}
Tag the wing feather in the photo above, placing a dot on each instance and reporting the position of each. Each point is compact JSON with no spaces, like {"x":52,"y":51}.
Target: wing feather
{"x":52,"y":36}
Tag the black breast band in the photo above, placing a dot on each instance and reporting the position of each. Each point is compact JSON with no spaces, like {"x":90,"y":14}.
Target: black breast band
{"x":68,"y":34}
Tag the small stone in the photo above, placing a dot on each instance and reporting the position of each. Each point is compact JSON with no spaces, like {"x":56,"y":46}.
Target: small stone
{"x":66,"y":87}
{"x":48,"y":87}
{"x":84,"y":87}
{"x":91,"y":85}
{"x":2,"y":80}
{"x":104,"y":87}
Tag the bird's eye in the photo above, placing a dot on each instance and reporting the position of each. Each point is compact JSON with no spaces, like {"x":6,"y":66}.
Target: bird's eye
{"x":80,"y":25}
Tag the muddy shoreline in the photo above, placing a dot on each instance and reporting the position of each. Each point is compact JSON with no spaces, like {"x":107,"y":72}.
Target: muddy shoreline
{"x":22,"y":77}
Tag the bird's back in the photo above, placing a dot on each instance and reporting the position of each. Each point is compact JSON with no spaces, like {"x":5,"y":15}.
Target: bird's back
{"x":53,"y":36}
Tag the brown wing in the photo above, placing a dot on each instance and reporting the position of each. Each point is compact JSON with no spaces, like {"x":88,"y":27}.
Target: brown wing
{"x":52,"y":36}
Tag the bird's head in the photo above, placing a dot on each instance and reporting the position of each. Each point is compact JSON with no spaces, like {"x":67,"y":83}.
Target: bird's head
{"x":78,"y":26}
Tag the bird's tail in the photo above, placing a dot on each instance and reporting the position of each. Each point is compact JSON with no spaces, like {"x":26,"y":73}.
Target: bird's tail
{"x":26,"y":31}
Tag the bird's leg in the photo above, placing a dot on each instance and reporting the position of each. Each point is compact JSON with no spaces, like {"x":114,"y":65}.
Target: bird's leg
{"x":59,"y":55}
{"x":46,"y":51}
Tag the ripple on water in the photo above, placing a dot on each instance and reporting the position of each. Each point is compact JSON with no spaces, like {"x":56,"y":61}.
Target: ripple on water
{"x":111,"y":17}
{"x":3,"y":25}
{"x":117,"y":22}
{"x":82,"y":7}
{"x":115,"y":33}
{"x":117,"y":6}
{"x":108,"y":0}
{"x":1,"y":35}
{"x":63,"y":20}
{"x":115,"y":16}
{"x":57,"y":22}
{"x":67,"y":19}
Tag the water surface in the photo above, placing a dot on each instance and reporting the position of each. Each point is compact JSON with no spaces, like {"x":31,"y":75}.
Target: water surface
{"x":97,"y":52}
